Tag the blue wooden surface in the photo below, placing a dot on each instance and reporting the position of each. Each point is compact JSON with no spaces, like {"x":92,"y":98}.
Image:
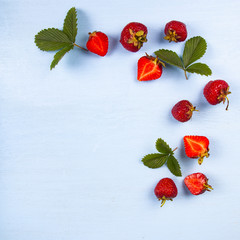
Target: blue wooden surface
{"x":71,"y":139}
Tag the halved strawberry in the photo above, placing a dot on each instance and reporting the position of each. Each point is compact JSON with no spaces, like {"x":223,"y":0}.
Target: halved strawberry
{"x":196,"y":147}
{"x":149,"y":68}
{"x":197,"y":183}
{"x":98,"y":43}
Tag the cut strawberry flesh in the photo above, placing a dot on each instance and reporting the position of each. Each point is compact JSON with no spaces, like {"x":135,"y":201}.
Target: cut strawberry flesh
{"x":197,"y":183}
{"x":98,"y":43}
{"x":149,"y":71}
{"x":196,"y":147}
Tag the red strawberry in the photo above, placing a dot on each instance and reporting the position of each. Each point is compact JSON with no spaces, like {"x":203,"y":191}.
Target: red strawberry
{"x":175,"y":31}
{"x":165,"y":190}
{"x":216,"y":91}
{"x":197,"y":183}
{"x":133,"y":36}
{"x":182,"y":111}
{"x":149,"y":68}
{"x":98,"y":43}
{"x":196,"y":147}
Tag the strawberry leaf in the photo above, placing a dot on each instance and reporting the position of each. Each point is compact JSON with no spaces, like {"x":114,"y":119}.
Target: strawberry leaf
{"x":155,"y":160}
{"x":70,"y":24}
{"x":52,"y":39}
{"x":199,"y":68}
{"x":174,"y":166}
{"x":194,"y":49}
{"x":169,"y":57}
{"x":58,"y":56}
{"x":163,"y":147}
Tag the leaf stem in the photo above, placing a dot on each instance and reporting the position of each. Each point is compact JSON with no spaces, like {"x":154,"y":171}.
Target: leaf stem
{"x":80,"y":47}
{"x":175,"y":149}
{"x":185,"y":72}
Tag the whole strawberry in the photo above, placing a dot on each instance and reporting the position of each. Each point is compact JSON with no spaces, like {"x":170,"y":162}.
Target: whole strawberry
{"x":133,"y":36}
{"x":165,"y":190}
{"x":183,"y":110}
{"x":98,"y":43}
{"x":175,"y":31}
{"x":149,"y":68}
{"x":196,"y":147}
{"x":216,"y":91}
{"x":197,"y":183}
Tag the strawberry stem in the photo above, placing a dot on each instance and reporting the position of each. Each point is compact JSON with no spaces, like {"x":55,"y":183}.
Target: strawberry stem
{"x":80,"y":47}
{"x":227,"y":103}
{"x":208,"y":187}
{"x":163,"y":202}
{"x":185,"y":72}
{"x":200,"y":160}
{"x":175,"y":149}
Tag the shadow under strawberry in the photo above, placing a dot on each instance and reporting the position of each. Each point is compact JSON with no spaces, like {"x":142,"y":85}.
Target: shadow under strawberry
{"x":185,"y":191}
{"x":113,"y":42}
{"x":187,"y":163}
{"x":202,"y":102}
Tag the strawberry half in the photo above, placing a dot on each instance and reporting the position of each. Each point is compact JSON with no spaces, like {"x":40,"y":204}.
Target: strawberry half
{"x":149,"y":68}
{"x":98,"y":43}
{"x":165,"y":190}
{"x":196,"y":147}
{"x":197,"y":183}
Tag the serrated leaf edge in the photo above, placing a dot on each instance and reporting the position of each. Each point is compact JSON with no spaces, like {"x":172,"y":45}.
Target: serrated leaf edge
{"x":199,"y":73}
{"x":50,"y":29}
{"x":54,"y":58}
{"x":76,"y":24}
{"x":182,"y":67}
{"x":171,"y":152}
{"x":194,"y":50}
{"x":162,"y":155}
{"x":178,"y":165}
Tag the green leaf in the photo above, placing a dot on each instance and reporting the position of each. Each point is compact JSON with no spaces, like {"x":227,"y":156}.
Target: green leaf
{"x":199,"y":68}
{"x":194,"y":49}
{"x":155,"y":160}
{"x":163,"y":147}
{"x":52,"y":39}
{"x":70,"y":24}
{"x":169,"y":57}
{"x":58,"y":56}
{"x":174,"y":166}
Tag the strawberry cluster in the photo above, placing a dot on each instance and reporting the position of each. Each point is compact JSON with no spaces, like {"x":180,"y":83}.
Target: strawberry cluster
{"x":215,"y":92}
{"x":197,"y":183}
{"x":133,"y":36}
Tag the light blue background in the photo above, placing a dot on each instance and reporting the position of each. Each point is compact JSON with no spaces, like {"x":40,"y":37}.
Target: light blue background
{"x":72,"y":139}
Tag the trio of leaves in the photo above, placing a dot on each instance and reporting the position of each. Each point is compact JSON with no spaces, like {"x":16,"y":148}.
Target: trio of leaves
{"x":157,"y":160}
{"x":53,"y":39}
{"x":194,"y":49}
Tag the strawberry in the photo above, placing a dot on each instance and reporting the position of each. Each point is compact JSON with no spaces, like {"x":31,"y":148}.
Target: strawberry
{"x":149,"y":68}
{"x":197,"y":183}
{"x":133,"y":36}
{"x":175,"y":31}
{"x":216,"y":91}
{"x":196,"y":147}
{"x":98,"y":43}
{"x":182,"y":111}
{"x":165,"y":190}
